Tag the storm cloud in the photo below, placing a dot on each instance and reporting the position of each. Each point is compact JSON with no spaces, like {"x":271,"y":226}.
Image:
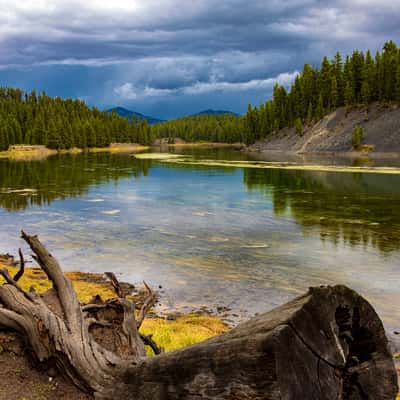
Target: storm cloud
{"x":170,"y":57}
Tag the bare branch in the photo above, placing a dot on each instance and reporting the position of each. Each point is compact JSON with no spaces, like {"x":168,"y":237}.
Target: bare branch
{"x":115,"y":284}
{"x":10,"y":319}
{"x":149,"y":341}
{"x":4,"y":273}
{"x":94,"y":321}
{"x":63,"y":286}
{"x":130,"y":327}
{"x":149,"y":302}
{"x":93,"y":307}
{"x":21,"y":271}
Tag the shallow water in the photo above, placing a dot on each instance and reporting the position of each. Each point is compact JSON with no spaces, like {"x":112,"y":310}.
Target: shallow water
{"x":245,"y":238}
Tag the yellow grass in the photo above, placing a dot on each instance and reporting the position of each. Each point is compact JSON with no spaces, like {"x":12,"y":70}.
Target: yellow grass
{"x":184,"y":331}
{"x":85,"y":289}
{"x":42,"y":152}
{"x":73,"y":150}
{"x":33,"y":154}
{"x":123,"y":148}
{"x":171,"y":335}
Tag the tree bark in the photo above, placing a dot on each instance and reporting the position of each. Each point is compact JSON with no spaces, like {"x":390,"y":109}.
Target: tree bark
{"x":327,"y":344}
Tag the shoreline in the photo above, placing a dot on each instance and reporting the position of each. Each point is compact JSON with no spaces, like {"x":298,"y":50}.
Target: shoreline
{"x":44,"y":152}
{"x":173,"y":329}
{"x":185,"y":329}
{"x":199,"y":144}
{"x":41,"y":152}
{"x":345,"y":154}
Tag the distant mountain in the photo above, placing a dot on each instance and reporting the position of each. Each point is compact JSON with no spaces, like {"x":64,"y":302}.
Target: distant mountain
{"x":125,"y":113}
{"x":214,"y":112}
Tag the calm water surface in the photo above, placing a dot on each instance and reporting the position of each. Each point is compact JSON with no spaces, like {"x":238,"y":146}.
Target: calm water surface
{"x":248,"y":239}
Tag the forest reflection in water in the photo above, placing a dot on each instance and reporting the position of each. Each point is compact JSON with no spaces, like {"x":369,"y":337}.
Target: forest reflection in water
{"x":39,"y":182}
{"x":245,"y":238}
{"x":356,"y":208}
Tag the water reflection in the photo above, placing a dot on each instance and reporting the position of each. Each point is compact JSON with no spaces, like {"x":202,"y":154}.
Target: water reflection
{"x":249,"y":239}
{"x":358,"y":209}
{"x":37,"y":183}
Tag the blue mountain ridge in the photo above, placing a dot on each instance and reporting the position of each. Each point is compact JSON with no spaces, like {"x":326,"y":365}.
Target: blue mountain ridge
{"x":125,"y":113}
{"x":214,"y":112}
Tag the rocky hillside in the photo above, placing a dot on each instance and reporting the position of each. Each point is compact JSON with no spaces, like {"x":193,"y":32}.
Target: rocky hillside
{"x":381,"y":124}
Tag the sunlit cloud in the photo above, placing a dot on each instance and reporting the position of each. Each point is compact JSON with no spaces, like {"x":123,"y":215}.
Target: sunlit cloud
{"x":128,"y":91}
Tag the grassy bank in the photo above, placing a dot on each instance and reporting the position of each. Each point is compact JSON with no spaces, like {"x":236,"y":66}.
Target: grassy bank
{"x":41,"y":152}
{"x":32,"y":154}
{"x":170,"y":334}
{"x":119,"y":148}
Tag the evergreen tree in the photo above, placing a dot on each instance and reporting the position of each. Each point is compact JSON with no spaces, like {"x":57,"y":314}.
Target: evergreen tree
{"x":397,"y":88}
{"x":361,"y":79}
{"x":334,"y":93}
{"x":348,"y":95}
{"x":319,"y":111}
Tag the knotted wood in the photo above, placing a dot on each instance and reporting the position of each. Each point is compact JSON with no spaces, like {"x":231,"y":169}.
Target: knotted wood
{"x":327,"y":344}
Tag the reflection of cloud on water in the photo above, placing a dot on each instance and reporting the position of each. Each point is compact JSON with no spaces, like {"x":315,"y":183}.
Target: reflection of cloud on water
{"x":95,"y":200}
{"x":110,"y":212}
{"x":255,"y":246}
{"x":201,"y":213}
{"x":218,"y":239}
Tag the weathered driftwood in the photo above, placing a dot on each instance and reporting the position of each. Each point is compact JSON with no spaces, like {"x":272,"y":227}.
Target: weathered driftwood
{"x":326,"y":344}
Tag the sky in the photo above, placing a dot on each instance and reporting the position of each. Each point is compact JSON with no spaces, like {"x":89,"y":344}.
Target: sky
{"x":168,"y":58}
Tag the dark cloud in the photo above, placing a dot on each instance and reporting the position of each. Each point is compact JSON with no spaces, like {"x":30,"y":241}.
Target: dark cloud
{"x":169,"y":56}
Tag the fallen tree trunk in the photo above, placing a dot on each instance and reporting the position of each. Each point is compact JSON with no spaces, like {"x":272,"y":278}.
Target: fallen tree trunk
{"x":326,"y":344}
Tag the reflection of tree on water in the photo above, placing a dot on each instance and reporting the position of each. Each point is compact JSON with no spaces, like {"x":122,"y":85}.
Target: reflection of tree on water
{"x":359,"y":209}
{"x":27,"y":183}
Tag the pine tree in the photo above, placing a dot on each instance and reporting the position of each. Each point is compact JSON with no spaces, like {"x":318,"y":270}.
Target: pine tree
{"x":334,"y":95}
{"x":348,"y":95}
{"x":319,"y":111}
{"x":299,"y":126}
{"x":397,"y":88}
{"x":365,"y":92}
{"x":310,"y":114}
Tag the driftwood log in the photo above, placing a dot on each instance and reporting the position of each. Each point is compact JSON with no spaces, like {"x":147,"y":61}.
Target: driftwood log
{"x":327,"y":344}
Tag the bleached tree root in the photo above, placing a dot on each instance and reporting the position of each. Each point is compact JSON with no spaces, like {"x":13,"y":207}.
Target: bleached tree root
{"x":327,"y":344}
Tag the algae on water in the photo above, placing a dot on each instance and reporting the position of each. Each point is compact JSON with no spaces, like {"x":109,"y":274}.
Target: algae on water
{"x":157,"y":156}
{"x":183,"y":160}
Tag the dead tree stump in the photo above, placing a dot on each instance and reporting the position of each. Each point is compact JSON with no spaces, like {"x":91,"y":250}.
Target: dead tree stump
{"x":327,"y":344}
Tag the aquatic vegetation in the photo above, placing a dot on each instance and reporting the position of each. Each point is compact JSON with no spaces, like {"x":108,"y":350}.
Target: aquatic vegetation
{"x":157,"y":156}
{"x":279,"y":165}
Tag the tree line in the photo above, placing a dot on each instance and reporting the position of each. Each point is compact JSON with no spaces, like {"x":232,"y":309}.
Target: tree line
{"x":226,"y":128}
{"x":30,"y":118}
{"x":65,"y":123}
{"x":358,"y":79}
